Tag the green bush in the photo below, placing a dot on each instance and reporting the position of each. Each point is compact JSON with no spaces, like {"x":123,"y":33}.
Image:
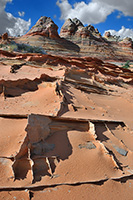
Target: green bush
{"x":12,"y":47}
{"x":29,"y":49}
{"x":126,"y":66}
{"x":1,"y":45}
{"x":25,"y":48}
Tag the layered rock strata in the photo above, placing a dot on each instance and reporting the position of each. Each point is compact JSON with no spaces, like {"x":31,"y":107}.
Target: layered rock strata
{"x":45,"y":34}
{"x":45,"y":27}
{"x":75,"y":39}
{"x":91,"y":42}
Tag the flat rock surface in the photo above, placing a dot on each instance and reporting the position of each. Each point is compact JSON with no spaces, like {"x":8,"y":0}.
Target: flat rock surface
{"x":66,"y":128}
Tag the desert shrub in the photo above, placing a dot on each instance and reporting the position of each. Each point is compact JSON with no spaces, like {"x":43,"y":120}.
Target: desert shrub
{"x":12,"y":47}
{"x":126,"y":66}
{"x":30,"y":49}
{"x":1,"y":45}
{"x":25,"y":48}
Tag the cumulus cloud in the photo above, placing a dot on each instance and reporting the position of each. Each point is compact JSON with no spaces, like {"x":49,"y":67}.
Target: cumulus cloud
{"x":8,"y":23}
{"x":125,"y":6}
{"x":95,"y":11}
{"x":123,"y":32}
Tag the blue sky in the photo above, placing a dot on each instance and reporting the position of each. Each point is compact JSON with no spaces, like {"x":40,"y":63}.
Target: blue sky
{"x":17,"y":16}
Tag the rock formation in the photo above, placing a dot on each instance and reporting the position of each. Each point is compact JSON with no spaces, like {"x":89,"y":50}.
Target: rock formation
{"x":70,"y":27}
{"x":5,"y":36}
{"x":74,"y":145}
{"x":45,"y":27}
{"x":76,"y":29}
{"x":127,"y":43}
{"x":91,"y":42}
{"x":44,"y":34}
{"x":4,"y":39}
{"x":77,"y":39}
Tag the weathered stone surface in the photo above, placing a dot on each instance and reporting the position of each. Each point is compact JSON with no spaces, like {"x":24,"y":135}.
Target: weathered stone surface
{"x":44,"y":33}
{"x":91,"y":42}
{"x":5,"y":36}
{"x":15,"y":195}
{"x":38,"y":128}
{"x":127,"y":42}
{"x":93,"y":191}
{"x":6,"y":53}
{"x":53,"y":145}
{"x":88,"y":145}
{"x":17,"y":87}
{"x":121,"y":151}
{"x":75,"y":28}
{"x":70,"y":27}
{"x":45,"y":27}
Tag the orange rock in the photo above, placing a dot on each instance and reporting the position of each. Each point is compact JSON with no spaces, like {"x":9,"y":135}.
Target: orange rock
{"x":5,"y":36}
{"x":45,"y":27}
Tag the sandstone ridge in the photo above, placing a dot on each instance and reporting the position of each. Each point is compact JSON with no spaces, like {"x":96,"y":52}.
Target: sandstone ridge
{"x":45,"y":27}
{"x":91,"y":42}
{"x":77,"y":39}
{"x":44,"y":34}
{"x":75,"y":28}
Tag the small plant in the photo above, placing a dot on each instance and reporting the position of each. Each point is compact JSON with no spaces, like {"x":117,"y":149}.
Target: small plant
{"x":30,"y":49}
{"x":1,"y":45}
{"x":25,"y":48}
{"x":126,"y":66}
{"x":12,"y":47}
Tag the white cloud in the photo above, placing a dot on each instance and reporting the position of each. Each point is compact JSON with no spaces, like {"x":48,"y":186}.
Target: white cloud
{"x":19,"y":27}
{"x":125,"y":6}
{"x":95,"y":11}
{"x":21,"y":14}
{"x":8,"y":23}
{"x":123,"y":32}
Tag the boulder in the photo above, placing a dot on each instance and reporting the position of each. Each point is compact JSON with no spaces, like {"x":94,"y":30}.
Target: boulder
{"x":5,"y":36}
{"x":107,"y":34}
{"x":127,"y":42}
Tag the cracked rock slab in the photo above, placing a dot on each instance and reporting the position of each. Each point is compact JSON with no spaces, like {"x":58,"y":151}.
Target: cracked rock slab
{"x":56,"y":150}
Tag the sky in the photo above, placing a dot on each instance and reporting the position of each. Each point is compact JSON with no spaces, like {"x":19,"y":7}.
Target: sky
{"x":116,"y":16}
